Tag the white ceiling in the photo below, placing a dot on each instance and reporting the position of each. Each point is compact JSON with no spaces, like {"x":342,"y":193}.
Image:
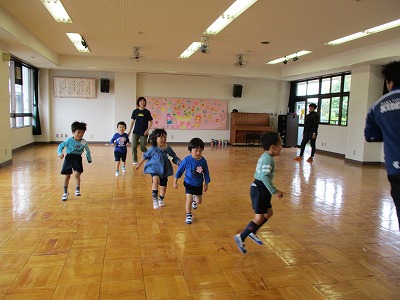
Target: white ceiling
{"x":164,"y":28}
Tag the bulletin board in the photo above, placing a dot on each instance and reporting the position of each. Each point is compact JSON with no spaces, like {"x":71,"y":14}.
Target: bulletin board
{"x":74,"y":87}
{"x":188,"y":113}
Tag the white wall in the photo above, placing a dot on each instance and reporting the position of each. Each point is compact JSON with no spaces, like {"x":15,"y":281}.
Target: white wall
{"x":257,"y":96}
{"x":5,"y":136}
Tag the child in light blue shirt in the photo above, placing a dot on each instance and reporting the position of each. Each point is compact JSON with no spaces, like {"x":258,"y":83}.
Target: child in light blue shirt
{"x":75,"y":146}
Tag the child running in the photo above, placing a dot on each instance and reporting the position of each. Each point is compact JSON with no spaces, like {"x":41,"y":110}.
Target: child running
{"x":120,"y":140}
{"x":75,"y":146}
{"x":262,"y":189}
{"x":159,"y":165}
{"x":196,"y":172}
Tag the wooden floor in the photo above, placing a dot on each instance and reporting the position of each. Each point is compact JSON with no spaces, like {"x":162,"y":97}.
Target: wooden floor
{"x":333,"y":236}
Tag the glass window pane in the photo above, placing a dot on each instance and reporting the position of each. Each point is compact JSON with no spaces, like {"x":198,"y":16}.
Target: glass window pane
{"x":344,"y":111}
{"x":312,"y":100}
{"x":313,"y":87}
{"x":324,"y":110}
{"x":19,"y":121}
{"x":326,"y":86}
{"x":301,"y":111}
{"x":347,"y":83}
{"x":301,"y":88}
{"x":334,"y":111}
{"x":336,"y":82}
{"x":26,"y":89}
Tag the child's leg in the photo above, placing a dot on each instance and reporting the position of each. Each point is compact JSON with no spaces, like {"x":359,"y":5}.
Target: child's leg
{"x":77,"y":176}
{"x":66,"y":182}
{"x":188,"y":206}
{"x":154,"y":190}
{"x":163,"y":191}
{"x":117,"y":163}
{"x":261,"y":221}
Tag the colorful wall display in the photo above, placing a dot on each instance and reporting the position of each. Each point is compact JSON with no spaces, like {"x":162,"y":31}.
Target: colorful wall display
{"x":188,"y":113}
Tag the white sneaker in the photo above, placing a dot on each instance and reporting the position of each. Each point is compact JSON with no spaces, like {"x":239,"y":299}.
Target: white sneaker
{"x":77,"y":193}
{"x":155,"y":203}
{"x":64,"y":197}
{"x":123,"y":169}
{"x":135,"y":163}
{"x":188,"y":219}
{"x":161,"y":202}
{"x":255,"y":239}
{"x":117,"y":173}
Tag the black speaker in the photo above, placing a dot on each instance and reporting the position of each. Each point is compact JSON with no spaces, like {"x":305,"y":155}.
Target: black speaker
{"x":237,"y":90}
{"x":104,"y":85}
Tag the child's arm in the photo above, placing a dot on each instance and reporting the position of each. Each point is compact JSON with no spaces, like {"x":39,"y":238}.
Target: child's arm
{"x":61,"y":148}
{"x":140,"y":163}
{"x":205,"y":188}
{"x":175,"y":159}
{"x":280,"y":194}
{"x":88,"y":156}
{"x":175,"y":182}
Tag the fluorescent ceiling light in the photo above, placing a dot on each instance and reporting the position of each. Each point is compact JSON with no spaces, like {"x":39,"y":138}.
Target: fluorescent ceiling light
{"x":238,"y":7}
{"x":78,"y":42}
{"x":287,"y":57}
{"x":57,"y":10}
{"x":190,"y":50}
{"x":365,"y":33}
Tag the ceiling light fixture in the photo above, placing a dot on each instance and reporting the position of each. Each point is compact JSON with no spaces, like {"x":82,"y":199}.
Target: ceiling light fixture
{"x":190,"y":50}
{"x":287,"y":57}
{"x":237,"y":8}
{"x":78,"y":41}
{"x":285,"y":61}
{"x":57,"y":10}
{"x":364,"y":33}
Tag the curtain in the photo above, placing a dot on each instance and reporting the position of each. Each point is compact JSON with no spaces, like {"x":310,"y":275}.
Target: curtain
{"x":36,"y":129}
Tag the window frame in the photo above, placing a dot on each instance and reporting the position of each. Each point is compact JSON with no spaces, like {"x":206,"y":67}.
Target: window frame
{"x":26,"y":110}
{"x":344,"y":97}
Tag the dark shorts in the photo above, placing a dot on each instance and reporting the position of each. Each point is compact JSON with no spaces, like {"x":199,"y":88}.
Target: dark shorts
{"x":260,"y":197}
{"x":72,"y":162}
{"x":193,"y":190}
{"x":163,"y":181}
{"x":119,"y":156}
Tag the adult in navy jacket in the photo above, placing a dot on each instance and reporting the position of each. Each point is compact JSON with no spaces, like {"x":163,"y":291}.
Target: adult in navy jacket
{"x":382,"y":125}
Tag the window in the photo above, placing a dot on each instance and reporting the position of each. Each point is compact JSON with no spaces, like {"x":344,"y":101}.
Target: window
{"x":330,"y":93}
{"x":21,"y":94}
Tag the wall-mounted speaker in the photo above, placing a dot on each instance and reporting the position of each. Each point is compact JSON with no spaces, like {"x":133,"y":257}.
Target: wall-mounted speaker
{"x":104,"y":85}
{"x":237,"y":90}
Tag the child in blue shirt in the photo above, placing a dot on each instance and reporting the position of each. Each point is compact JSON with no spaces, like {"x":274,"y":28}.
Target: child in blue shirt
{"x":262,"y":189}
{"x":159,"y":165}
{"x":75,"y":146}
{"x":196,"y":172}
{"x":120,"y":140}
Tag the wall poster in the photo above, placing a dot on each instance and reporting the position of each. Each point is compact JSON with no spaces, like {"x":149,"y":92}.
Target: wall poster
{"x":188,"y":113}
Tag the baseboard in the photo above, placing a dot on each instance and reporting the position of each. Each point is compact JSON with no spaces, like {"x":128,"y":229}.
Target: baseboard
{"x":6,"y":163}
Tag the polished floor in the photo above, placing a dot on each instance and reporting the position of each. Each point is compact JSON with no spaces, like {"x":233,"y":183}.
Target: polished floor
{"x":334,"y":235}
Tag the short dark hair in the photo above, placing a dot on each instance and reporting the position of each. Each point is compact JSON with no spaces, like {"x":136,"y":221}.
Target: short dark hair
{"x":196,"y":143}
{"x":140,"y":99}
{"x":121,"y":123}
{"x":313,"y":105}
{"x":391,"y":72}
{"x":155,"y":134}
{"x":78,"y":126}
{"x":268,"y":139}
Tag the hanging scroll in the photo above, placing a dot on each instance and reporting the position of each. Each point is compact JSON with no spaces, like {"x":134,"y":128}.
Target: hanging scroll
{"x":74,"y":87}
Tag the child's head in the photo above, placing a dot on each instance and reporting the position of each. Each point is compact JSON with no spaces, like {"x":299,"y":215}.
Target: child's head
{"x":78,"y":130}
{"x":141,"y":99}
{"x":196,"y":147}
{"x":121,"y":127}
{"x":271,"y":142}
{"x":313,"y":106}
{"x":158,"y":137}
